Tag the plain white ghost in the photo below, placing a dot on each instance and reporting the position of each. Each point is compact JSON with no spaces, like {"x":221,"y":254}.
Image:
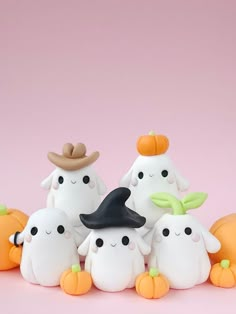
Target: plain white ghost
{"x":74,"y":186}
{"x":114,"y":250}
{"x":150,"y":174}
{"x":49,"y":247}
{"x":180,"y":243}
{"x":114,"y":257}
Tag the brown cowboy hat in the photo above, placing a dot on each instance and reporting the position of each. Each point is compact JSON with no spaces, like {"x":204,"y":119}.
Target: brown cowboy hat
{"x":73,"y":157}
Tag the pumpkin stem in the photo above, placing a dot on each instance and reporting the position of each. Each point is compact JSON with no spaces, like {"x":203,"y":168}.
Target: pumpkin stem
{"x":225,"y":263}
{"x":153,"y":272}
{"x":152,"y":133}
{"x":3,"y":210}
{"x":75,"y":268}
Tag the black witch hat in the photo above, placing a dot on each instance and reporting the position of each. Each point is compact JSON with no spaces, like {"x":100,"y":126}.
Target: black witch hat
{"x":112,"y":212}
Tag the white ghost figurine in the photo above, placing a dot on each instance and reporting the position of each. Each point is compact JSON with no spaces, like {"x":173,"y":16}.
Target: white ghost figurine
{"x":152,"y":171}
{"x":180,"y":244}
{"x":49,"y":247}
{"x":114,"y":250}
{"x":74,"y":186}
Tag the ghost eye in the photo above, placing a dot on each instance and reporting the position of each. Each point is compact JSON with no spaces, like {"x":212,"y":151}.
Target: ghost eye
{"x":165,"y":232}
{"x":140,"y":175}
{"x":34,"y":231}
{"x":188,"y":230}
{"x":164,"y":173}
{"x":99,"y":242}
{"x":125,"y":240}
{"x":86,"y":179}
{"x":60,"y":229}
{"x":60,"y":180}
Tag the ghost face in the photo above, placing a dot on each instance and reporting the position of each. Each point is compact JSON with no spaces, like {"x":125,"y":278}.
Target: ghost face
{"x":74,"y":191}
{"x":49,"y":247}
{"x":114,"y":257}
{"x":46,"y":226}
{"x":172,"y":230}
{"x":150,"y":174}
{"x":179,"y":250}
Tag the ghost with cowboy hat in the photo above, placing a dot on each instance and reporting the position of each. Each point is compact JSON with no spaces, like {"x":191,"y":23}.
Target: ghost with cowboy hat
{"x":74,"y":186}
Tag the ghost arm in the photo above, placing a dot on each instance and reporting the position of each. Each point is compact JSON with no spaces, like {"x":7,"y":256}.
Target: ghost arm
{"x":17,"y":238}
{"x":50,"y":200}
{"x":182,"y":183}
{"x":152,"y":258}
{"x":212,"y":244}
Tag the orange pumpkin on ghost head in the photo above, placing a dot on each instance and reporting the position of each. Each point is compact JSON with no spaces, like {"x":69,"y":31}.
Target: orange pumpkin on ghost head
{"x":11,"y":221}
{"x":152,"y":144}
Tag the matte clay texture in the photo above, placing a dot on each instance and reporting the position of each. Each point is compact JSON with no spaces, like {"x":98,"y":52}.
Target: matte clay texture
{"x":103,"y":73}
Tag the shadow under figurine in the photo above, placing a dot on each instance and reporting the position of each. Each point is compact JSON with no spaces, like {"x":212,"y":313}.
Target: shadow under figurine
{"x":114,"y":250}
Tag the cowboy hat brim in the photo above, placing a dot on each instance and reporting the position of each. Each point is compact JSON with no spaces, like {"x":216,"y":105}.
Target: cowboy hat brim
{"x":72,"y":163}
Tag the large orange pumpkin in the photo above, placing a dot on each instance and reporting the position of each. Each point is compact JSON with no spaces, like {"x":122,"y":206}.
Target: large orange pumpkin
{"x":152,"y":144}
{"x":11,"y":220}
{"x":224,"y":229}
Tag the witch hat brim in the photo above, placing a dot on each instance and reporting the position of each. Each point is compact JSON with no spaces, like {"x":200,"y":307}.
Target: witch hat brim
{"x":112,"y":212}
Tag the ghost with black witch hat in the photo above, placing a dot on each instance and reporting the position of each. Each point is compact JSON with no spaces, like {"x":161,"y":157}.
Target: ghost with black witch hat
{"x":114,"y":250}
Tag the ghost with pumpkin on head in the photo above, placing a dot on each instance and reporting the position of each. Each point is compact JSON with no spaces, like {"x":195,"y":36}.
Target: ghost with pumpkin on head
{"x":152,"y":171}
{"x":74,"y":186}
{"x":114,"y":250}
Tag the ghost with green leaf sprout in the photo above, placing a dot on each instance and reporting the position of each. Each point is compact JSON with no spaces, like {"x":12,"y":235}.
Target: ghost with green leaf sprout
{"x":180,"y":243}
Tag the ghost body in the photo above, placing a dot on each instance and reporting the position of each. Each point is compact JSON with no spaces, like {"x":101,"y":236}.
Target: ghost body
{"x":74,"y":187}
{"x":114,"y":250}
{"x":179,"y":250}
{"x":49,"y":247}
{"x":114,"y":257}
{"x":150,"y":174}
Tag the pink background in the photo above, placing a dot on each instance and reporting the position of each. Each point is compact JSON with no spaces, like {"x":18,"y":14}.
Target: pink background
{"x":104,"y":73}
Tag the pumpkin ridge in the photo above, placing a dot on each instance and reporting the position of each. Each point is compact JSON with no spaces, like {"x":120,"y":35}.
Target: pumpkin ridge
{"x":76,"y":282}
{"x":220,"y":276}
{"x":155,"y":286}
{"x":233,"y":269}
{"x":13,"y":214}
{"x":139,"y":280}
{"x":63,"y":277}
{"x":216,"y":225}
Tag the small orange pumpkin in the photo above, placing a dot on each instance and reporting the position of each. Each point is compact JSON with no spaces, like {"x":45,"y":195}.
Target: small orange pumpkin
{"x":223,"y":274}
{"x":11,"y":221}
{"x":152,"y":144}
{"x":224,"y":229}
{"x":152,"y":285}
{"x":75,"y":282}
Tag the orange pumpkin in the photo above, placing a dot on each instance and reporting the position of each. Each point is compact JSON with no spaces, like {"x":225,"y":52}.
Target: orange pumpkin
{"x":15,"y":254}
{"x":224,"y":229}
{"x":152,"y":285}
{"x":11,"y":220}
{"x":223,"y":274}
{"x":75,"y":282}
{"x":152,"y":144}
